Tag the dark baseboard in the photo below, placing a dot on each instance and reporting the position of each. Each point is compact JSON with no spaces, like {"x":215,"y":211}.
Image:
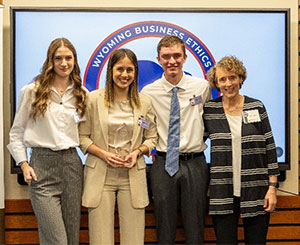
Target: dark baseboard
{"x":2,"y":234}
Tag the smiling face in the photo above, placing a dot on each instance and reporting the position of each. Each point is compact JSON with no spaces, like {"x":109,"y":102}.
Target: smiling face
{"x":63,"y":62}
{"x":123,"y":74}
{"x":172,"y":59}
{"x":228,"y":83}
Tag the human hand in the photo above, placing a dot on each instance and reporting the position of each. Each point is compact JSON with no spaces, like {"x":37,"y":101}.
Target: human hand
{"x":270,"y":199}
{"x":28,"y":172}
{"x":114,"y":160}
{"x":131,"y":159}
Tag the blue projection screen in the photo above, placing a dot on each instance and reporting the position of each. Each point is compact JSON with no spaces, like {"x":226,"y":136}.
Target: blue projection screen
{"x":260,"y":38}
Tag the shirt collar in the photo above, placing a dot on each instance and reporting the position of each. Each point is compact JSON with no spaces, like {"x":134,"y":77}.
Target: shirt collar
{"x":71,"y":86}
{"x":168,"y":86}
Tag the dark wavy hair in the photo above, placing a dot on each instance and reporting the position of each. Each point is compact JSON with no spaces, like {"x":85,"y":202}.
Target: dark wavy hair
{"x":133,"y":92}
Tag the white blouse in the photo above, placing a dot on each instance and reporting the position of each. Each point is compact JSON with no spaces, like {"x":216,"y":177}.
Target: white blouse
{"x":235,"y":124}
{"x":120,"y":124}
{"x":56,"y":130}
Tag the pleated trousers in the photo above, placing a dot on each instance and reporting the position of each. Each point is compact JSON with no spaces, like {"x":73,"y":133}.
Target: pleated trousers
{"x":187,"y":189}
{"x":56,"y":195}
{"x":102,"y":218}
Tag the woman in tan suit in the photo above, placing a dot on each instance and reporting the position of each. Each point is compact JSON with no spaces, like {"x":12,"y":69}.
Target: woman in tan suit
{"x":119,"y":129}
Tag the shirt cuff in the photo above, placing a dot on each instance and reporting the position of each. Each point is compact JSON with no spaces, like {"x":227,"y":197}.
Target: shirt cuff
{"x":19,"y":155}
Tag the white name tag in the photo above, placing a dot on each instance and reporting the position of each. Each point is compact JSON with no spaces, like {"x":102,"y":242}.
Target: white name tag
{"x":77,"y":118}
{"x":143,"y":123}
{"x":196,"y":100}
{"x":251,"y":116}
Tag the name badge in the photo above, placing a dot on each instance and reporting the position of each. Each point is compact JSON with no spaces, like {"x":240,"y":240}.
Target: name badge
{"x":196,"y":100}
{"x":251,"y":116}
{"x":143,"y":123}
{"x":77,"y":118}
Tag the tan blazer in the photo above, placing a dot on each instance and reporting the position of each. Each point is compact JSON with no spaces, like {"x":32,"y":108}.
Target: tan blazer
{"x":95,"y":130}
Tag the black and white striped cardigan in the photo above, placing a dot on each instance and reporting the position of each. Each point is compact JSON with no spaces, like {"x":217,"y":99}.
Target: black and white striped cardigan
{"x":259,"y":159}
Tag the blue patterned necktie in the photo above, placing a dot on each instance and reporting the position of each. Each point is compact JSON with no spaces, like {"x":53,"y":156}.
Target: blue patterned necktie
{"x":172,"y":158}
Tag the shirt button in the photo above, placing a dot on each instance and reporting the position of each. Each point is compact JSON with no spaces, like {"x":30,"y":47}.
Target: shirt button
{"x":60,"y":103}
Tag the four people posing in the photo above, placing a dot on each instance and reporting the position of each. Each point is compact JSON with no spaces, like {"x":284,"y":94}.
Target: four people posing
{"x":118,"y":126}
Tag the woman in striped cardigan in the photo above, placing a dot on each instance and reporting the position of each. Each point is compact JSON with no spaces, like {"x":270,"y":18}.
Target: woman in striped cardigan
{"x":244,"y":166}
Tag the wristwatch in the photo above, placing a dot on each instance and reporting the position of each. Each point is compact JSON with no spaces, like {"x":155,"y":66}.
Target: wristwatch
{"x":140,"y":152}
{"x":275,"y":184}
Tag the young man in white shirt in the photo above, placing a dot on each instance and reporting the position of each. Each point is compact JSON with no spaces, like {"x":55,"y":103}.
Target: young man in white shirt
{"x":187,"y":185}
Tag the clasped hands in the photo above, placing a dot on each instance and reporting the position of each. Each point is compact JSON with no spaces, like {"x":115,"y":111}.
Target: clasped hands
{"x":121,"y":161}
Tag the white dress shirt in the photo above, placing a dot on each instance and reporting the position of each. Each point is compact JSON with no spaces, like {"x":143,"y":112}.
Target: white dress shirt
{"x":56,"y":130}
{"x":191,"y":122}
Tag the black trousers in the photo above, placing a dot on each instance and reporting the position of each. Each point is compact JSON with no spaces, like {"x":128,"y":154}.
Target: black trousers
{"x":226,"y":227}
{"x":187,"y":187}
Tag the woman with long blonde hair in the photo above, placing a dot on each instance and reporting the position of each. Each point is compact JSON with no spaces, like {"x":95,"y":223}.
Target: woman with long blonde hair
{"x":46,"y":121}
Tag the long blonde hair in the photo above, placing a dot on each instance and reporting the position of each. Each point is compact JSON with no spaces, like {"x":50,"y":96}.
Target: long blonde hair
{"x":133,"y":92}
{"x":45,"y":78}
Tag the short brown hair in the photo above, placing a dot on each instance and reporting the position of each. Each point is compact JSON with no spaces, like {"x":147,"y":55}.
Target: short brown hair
{"x":168,"y":41}
{"x":228,"y":63}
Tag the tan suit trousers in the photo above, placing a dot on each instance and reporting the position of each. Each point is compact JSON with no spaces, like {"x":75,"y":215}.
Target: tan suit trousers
{"x":131,"y":220}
